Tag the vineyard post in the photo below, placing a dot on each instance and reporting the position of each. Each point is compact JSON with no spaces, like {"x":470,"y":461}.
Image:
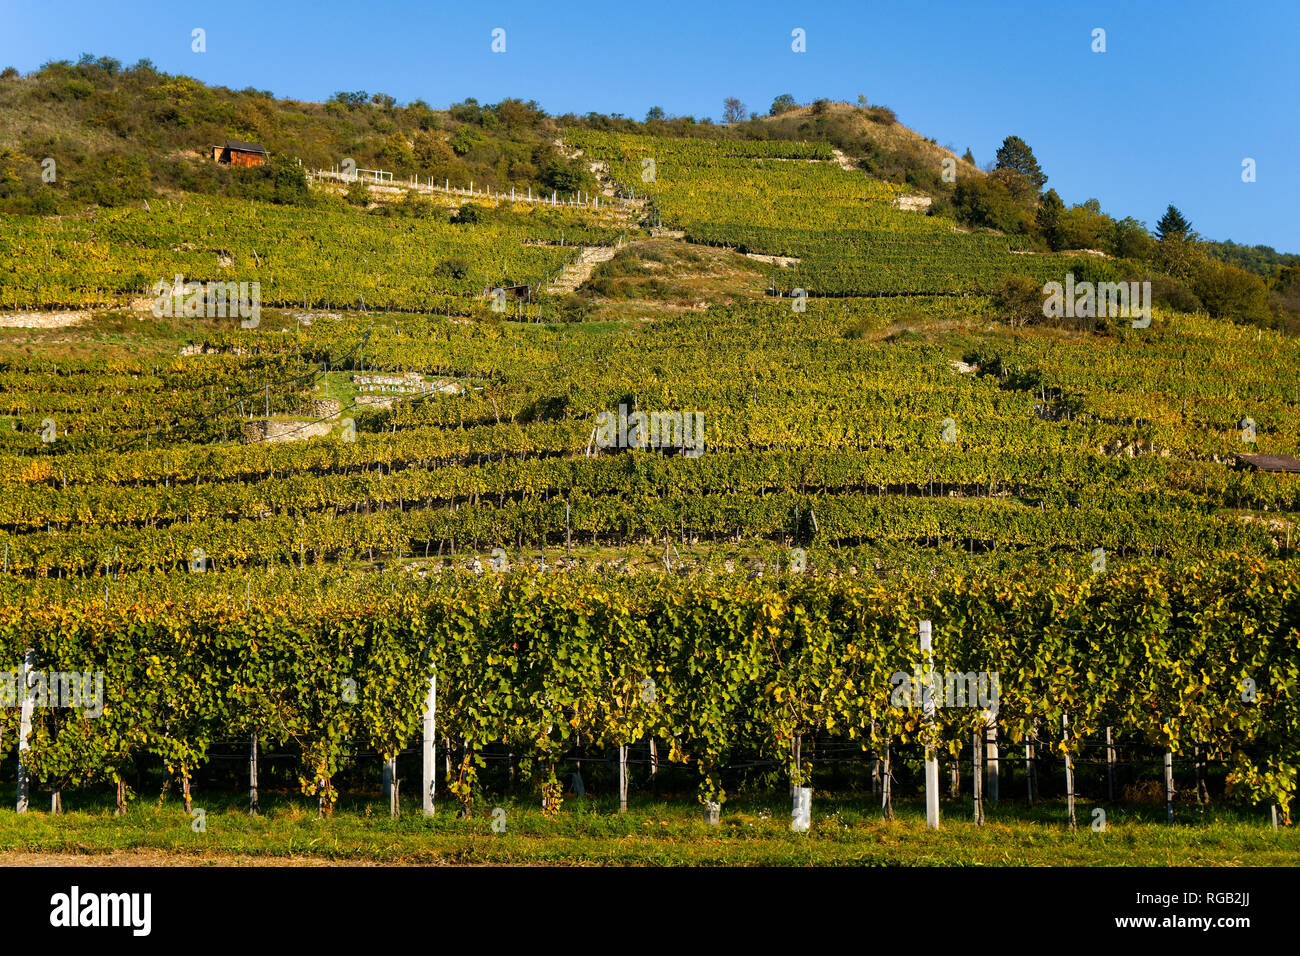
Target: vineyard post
{"x":875,"y":767}
{"x":1110,"y":765}
{"x":252,"y":776}
{"x":977,"y":772}
{"x":886,"y":803}
{"x":25,"y":729}
{"x":991,"y":745}
{"x":1069,"y":772}
{"x":1031,"y":771}
{"x":931,"y":758}
{"x":430,"y":765}
{"x":393,"y":790}
{"x":1169,"y":786}
{"x":622,"y":778}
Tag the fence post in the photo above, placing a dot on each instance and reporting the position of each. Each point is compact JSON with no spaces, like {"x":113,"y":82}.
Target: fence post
{"x":927,"y":703}
{"x":25,"y":730}
{"x":430,"y":765}
{"x":977,"y":772}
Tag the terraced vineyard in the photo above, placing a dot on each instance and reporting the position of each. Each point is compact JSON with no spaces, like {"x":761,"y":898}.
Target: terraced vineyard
{"x":787,"y":199}
{"x":1065,"y":506}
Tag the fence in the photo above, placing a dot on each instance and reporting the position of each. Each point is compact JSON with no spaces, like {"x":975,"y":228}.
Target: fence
{"x":385,"y":180}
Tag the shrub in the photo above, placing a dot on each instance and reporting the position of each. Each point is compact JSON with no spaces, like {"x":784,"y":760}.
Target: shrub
{"x":469,"y":214}
{"x":1019,"y":300}
{"x":454,"y":268}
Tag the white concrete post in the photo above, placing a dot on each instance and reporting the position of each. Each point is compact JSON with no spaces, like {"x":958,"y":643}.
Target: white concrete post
{"x":931,"y":759}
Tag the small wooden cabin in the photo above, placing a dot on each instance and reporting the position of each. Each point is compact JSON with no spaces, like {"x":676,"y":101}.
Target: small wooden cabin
{"x":1284,"y":463}
{"x":238,"y":153}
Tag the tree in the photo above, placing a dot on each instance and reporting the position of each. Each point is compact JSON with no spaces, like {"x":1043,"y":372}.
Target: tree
{"x":782,"y":104}
{"x":654,"y":113}
{"x":1019,"y":300}
{"x":1128,"y":239}
{"x":968,"y":156}
{"x":733,"y":111}
{"x":1048,"y":219}
{"x":1015,"y":154}
{"x":1173,"y":225}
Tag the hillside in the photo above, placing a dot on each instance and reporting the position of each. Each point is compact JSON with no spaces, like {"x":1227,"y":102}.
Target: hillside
{"x":721,"y":404}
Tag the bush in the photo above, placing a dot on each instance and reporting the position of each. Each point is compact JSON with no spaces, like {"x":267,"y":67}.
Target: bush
{"x":1174,"y":294}
{"x":454,"y":268}
{"x":1019,"y":300}
{"x":358,"y":194}
{"x":469,"y":214}
{"x":1232,"y":293}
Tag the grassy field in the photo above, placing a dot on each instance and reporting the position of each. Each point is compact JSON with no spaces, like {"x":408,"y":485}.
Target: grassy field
{"x":753,"y":831}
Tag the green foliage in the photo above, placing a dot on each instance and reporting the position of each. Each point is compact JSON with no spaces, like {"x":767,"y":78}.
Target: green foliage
{"x":782,"y":104}
{"x":1014,"y":154}
{"x":1173,"y":225}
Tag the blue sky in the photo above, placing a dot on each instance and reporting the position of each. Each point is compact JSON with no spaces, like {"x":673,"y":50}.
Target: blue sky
{"x":1184,"y":92}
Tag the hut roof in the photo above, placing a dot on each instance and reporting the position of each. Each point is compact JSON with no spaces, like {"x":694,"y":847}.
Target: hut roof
{"x":1270,"y":462}
{"x":244,"y":147}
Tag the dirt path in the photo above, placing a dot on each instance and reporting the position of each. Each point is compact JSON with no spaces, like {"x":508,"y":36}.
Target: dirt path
{"x":579,"y":272}
{"x":41,"y":320}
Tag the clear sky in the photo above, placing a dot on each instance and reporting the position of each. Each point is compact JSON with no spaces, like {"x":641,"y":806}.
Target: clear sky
{"x":1183,"y":94}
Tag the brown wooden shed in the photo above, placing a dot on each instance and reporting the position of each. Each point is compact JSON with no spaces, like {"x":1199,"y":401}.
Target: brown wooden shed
{"x":238,"y":153}
{"x":1270,"y":462}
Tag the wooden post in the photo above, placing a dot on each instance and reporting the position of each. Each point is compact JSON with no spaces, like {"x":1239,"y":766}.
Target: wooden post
{"x":622,"y":778}
{"x":25,"y":730}
{"x":654,"y":767}
{"x":991,"y":754}
{"x":1169,"y":786}
{"x":1069,"y":774}
{"x":1031,"y":771}
{"x":977,"y":772}
{"x":875,"y":765}
{"x":393,"y":791}
{"x":252,"y":776}
{"x":886,"y":802}
{"x":429,"y":762}
{"x":954,"y":780}
{"x":928,"y":705}
{"x":1202,"y":787}
{"x":1110,"y":765}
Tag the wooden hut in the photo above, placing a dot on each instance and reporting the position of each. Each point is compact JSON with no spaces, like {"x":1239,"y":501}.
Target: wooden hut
{"x":1269,"y":463}
{"x":238,"y":153}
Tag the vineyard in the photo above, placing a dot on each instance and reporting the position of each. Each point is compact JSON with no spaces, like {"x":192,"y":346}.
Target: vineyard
{"x":777,"y":198}
{"x":1067,"y":508}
